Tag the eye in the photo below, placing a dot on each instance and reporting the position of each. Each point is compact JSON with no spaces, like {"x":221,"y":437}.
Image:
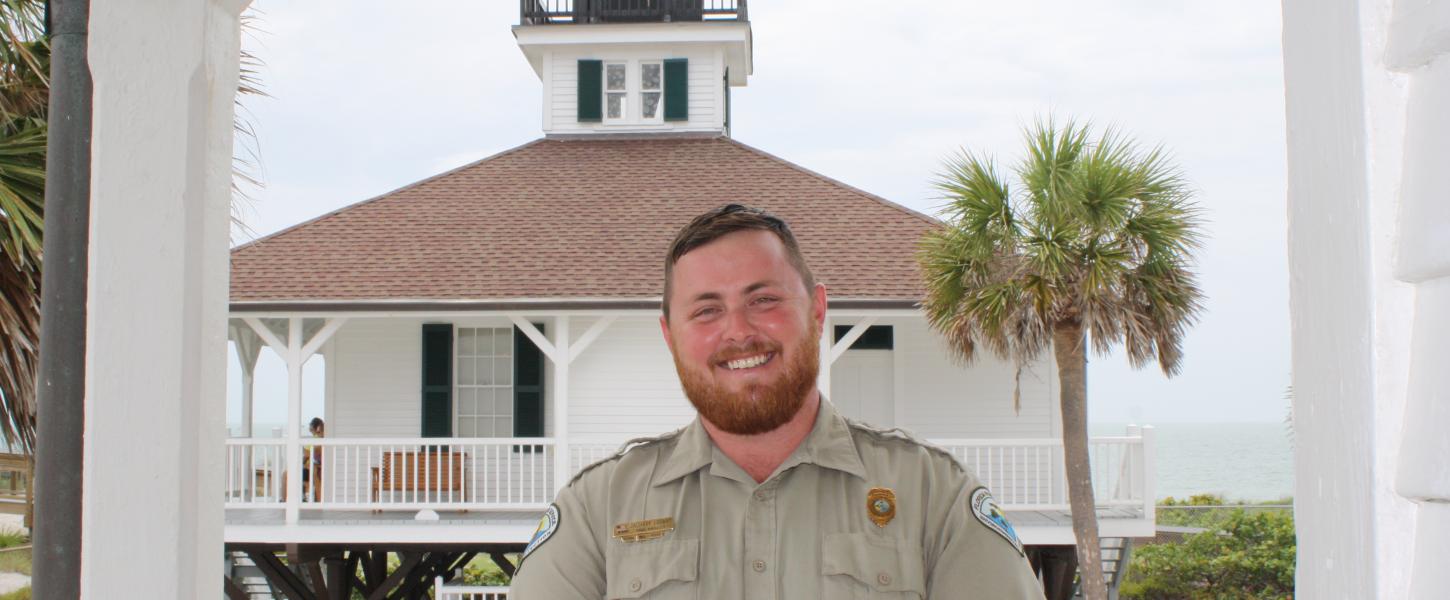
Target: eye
{"x":707,"y":311}
{"x":765,"y":300}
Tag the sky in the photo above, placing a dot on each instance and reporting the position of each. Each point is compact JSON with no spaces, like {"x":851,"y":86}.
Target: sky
{"x":367,"y":96}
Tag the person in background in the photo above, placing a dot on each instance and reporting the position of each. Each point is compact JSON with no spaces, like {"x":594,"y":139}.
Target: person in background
{"x":312,"y":458}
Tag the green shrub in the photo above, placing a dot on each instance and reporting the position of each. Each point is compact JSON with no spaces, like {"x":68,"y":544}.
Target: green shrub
{"x":1251,"y":556}
{"x":20,"y":594}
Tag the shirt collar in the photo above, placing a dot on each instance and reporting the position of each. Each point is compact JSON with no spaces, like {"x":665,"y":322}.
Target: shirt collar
{"x":828,"y":445}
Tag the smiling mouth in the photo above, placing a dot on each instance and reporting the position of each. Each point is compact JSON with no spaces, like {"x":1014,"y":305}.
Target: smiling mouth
{"x":748,"y":362}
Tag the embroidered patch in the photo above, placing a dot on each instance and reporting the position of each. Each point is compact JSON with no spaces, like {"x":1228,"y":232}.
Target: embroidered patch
{"x":991,"y":515}
{"x":548,"y":524}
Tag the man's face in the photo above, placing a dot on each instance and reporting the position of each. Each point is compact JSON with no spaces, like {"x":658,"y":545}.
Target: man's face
{"x":744,"y":332}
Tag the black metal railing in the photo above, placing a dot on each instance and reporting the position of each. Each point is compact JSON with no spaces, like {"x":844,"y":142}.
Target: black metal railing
{"x":545,"y":12}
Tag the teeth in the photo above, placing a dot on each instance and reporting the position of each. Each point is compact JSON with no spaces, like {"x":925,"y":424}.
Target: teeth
{"x":746,"y":363}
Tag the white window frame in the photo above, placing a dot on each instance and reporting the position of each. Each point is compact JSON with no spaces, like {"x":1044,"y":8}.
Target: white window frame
{"x":625,"y":114}
{"x":638,"y":81}
{"x":499,"y":390}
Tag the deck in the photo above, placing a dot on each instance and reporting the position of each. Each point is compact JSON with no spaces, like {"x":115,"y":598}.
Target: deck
{"x":493,"y":491}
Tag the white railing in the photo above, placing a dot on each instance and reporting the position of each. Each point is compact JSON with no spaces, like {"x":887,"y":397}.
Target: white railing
{"x":518,"y":473}
{"x":408,"y":473}
{"x":1028,"y":474}
{"x":443,"y":591}
{"x":255,"y":472}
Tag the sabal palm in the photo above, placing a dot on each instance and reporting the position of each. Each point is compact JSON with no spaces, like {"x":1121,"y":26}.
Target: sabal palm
{"x":1094,"y":243}
{"x":24,"y":93}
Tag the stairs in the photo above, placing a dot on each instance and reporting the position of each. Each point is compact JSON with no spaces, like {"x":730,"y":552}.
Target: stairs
{"x":1116,"y":552}
{"x":246,"y":575}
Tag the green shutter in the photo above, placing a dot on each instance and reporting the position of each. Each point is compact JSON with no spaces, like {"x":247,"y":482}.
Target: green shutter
{"x":437,"y":380}
{"x":528,"y":386}
{"x":677,"y":89}
{"x":591,"y":90}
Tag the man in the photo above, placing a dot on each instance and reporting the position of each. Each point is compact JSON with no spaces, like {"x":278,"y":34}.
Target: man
{"x":770,"y":493}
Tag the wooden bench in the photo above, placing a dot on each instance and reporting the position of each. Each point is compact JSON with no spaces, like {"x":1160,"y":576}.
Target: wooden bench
{"x":419,"y":472}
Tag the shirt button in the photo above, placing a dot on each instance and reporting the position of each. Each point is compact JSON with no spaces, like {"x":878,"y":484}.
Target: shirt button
{"x":635,"y":585}
{"x":758,"y":565}
{"x":883,"y":578}
{"x":760,"y":496}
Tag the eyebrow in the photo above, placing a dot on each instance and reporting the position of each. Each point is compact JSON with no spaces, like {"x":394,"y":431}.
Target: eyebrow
{"x":716,"y":295}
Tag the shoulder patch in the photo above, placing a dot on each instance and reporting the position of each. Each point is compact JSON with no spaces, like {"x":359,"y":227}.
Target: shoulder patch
{"x":624,"y":449}
{"x":985,"y":509}
{"x":548,"y":524}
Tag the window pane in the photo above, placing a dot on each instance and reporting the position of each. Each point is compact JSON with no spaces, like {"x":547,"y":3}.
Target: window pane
{"x":503,"y":404}
{"x":465,"y":342}
{"x":465,"y":371}
{"x":650,"y":104}
{"x":614,"y":75}
{"x":649,"y":77}
{"x":485,"y":371}
{"x":466,"y":427}
{"x":485,"y":342}
{"x":503,"y":427}
{"x":503,"y":371}
{"x":467,"y":404}
{"x":616,"y":106}
{"x":485,"y":401}
{"x":504,"y":346}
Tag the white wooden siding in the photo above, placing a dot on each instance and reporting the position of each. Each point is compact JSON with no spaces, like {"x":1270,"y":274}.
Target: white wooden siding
{"x":376,"y":366}
{"x":624,"y":385}
{"x":562,"y":88}
{"x":945,"y":400}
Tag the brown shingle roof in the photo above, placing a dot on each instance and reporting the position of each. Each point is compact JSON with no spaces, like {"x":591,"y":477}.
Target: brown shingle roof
{"x":575,"y":219}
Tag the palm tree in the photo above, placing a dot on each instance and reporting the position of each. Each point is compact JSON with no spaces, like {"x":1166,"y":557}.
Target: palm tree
{"x":24,"y":94}
{"x":1094,"y":244}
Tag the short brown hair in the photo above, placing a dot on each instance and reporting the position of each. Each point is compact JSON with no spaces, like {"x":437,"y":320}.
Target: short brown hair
{"x":726,"y":220}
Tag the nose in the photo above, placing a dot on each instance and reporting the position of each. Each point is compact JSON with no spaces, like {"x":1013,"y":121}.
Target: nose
{"x":739,"y":329}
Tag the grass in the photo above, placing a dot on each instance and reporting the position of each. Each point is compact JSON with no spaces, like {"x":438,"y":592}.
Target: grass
{"x":17,"y":561}
{"x":20,"y":594}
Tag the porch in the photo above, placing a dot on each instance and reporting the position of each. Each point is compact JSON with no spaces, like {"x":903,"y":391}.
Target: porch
{"x":498,"y":488}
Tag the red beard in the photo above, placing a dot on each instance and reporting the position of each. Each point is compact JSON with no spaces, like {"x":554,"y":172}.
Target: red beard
{"x":760,"y":407}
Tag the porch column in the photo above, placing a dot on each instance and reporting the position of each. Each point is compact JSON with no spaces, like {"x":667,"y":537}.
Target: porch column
{"x":294,"y":419}
{"x":562,"y":472}
{"x":249,"y":348}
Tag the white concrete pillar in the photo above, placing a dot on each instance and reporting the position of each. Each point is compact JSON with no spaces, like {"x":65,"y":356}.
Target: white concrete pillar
{"x":562,"y":471}
{"x":1351,"y":318}
{"x":165,"y":74}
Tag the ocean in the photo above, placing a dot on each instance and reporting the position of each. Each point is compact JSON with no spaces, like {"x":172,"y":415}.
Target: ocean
{"x":1241,"y":461}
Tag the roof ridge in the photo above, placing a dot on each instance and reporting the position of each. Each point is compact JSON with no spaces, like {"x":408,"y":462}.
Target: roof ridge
{"x":336,"y":211}
{"x":831,"y":180}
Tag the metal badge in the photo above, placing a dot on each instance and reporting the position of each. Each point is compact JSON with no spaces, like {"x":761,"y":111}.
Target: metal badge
{"x":881,"y":506}
{"x":640,"y":531}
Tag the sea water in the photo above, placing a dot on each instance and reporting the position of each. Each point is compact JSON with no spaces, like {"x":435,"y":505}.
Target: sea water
{"x":1240,"y":461}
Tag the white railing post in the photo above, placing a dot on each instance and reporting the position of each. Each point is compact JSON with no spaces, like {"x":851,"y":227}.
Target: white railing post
{"x":1131,"y":472}
{"x":1150,"y":474}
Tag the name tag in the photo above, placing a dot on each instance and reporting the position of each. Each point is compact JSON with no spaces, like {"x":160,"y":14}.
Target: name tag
{"x":640,"y":531}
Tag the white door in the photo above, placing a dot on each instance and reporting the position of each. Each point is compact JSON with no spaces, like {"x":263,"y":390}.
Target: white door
{"x":862,"y":386}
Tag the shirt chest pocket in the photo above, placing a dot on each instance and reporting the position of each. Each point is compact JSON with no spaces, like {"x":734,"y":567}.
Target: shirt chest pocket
{"x":657,"y":570}
{"x":865,"y":567}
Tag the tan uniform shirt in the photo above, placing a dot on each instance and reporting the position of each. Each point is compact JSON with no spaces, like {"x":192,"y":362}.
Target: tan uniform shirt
{"x":807,"y":532}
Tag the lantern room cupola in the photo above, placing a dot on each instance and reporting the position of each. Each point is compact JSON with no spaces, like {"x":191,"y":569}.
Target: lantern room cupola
{"x":636,"y":66}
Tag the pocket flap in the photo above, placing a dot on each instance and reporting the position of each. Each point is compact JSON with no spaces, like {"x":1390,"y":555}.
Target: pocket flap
{"x":638,"y":568}
{"x":883,"y":564}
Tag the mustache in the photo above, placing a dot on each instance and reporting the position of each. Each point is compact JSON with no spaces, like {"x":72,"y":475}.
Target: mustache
{"x":751,"y":349}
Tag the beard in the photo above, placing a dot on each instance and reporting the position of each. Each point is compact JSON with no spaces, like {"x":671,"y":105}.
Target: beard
{"x":760,"y":407}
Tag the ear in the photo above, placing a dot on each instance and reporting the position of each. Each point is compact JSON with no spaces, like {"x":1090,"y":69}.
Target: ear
{"x":818,"y":304}
{"x":665,"y":329}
